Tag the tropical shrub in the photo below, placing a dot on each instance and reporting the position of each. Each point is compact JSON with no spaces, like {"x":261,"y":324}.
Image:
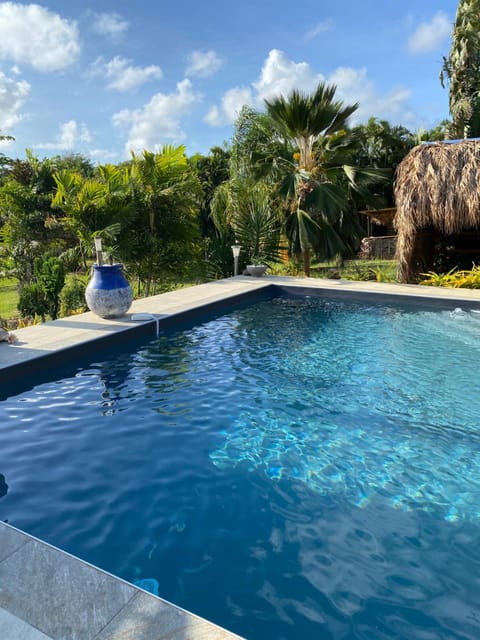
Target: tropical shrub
{"x":244,"y":211}
{"x":161,"y":239}
{"x":72,"y":297}
{"x":32,"y":301}
{"x":42,"y":297}
{"x":464,"y":279}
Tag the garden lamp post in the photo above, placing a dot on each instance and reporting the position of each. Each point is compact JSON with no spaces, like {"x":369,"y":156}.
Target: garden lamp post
{"x":98,"y":250}
{"x":236,"y":252}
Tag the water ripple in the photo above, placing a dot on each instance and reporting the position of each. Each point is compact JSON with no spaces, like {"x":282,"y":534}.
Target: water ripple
{"x":297,"y":469}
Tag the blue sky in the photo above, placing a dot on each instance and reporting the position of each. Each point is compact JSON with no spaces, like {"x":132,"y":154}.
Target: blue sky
{"x":105,"y":77}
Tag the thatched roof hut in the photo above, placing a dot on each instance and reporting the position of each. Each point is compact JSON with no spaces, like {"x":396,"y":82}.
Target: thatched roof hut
{"x":437,"y":193}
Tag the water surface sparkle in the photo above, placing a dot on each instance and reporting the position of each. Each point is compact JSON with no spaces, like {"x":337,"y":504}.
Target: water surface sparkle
{"x":296,"y":469}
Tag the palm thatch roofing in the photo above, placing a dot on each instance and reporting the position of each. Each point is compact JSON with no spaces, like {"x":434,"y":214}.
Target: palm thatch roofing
{"x":437,"y":188}
{"x":381,"y":217}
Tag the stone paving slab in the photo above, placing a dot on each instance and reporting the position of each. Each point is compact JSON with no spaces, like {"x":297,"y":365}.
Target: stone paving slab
{"x":140,"y":620}
{"x":46,"y":594}
{"x":10,"y":541}
{"x":12,"y":628}
{"x":48,"y":589}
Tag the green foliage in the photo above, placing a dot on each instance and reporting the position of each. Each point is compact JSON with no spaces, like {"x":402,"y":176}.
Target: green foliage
{"x":99,"y":205}
{"x":212,"y":171}
{"x":74,"y":162}
{"x":464,"y":279}
{"x":161,"y":239}
{"x":290,"y":268}
{"x":50,"y":274}
{"x":379,"y":145}
{"x":382,"y":275}
{"x":245,"y":211}
{"x":32,"y":301}
{"x":42,"y":297}
{"x":303,"y":118}
{"x":72,"y":297}
{"x":314,"y":189}
{"x":218,"y":256}
{"x":8,"y":297}
{"x":361,"y":270}
{"x":257,"y":146}
{"x":30,"y":228}
{"x":462,"y":71}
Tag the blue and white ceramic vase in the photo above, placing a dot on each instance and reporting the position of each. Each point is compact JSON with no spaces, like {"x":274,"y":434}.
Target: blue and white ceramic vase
{"x":108,"y":293}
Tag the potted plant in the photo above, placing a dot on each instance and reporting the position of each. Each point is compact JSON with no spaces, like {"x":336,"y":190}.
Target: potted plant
{"x":257,"y":267}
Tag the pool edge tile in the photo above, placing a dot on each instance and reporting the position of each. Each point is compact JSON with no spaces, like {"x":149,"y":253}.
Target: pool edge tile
{"x":146,"y":617}
{"x":34,"y":566}
{"x":59,"y":594}
{"x":14,"y":628}
{"x":11,"y":540}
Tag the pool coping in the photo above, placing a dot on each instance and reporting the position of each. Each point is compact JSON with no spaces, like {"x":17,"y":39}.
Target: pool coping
{"x":103,"y":606}
{"x":48,"y":594}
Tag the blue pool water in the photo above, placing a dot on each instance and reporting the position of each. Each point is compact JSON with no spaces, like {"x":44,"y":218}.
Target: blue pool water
{"x":296,"y":469}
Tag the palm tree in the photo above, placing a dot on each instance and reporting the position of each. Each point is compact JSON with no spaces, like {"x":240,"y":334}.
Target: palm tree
{"x":305,"y":118}
{"x":162,"y":237}
{"x":316,"y":201}
{"x":98,"y":205}
{"x":244,"y":211}
{"x":462,"y":72}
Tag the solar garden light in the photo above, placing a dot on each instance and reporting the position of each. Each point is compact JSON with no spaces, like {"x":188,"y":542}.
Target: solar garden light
{"x":98,"y":250}
{"x":236,"y":252}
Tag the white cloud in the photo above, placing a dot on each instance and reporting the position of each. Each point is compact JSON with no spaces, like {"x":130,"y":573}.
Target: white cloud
{"x":354,"y":85}
{"x":203,"y":64}
{"x":428,"y":36}
{"x":279,"y":76}
{"x":33,"y":35}
{"x":122,"y":75}
{"x":103,"y":155}
{"x":13,"y":95}
{"x":232,"y":102}
{"x":70,"y":136}
{"x":109,"y":24}
{"x":214,"y":117}
{"x":158,"y":121}
{"x":321,"y":27}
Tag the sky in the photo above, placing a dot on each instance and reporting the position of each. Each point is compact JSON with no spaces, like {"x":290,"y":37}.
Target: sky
{"x":107,"y":77}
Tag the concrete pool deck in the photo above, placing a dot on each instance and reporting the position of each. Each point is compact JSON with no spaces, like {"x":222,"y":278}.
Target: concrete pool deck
{"x":46,"y":594}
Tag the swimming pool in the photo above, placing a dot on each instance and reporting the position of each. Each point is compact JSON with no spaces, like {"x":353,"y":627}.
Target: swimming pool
{"x":298,"y":468}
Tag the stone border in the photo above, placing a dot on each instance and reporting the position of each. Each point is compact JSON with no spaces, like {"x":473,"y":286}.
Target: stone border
{"x":47,"y":594}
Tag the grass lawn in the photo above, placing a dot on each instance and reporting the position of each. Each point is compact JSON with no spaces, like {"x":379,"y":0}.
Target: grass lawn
{"x":379,"y":270}
{"x":8,"y":298}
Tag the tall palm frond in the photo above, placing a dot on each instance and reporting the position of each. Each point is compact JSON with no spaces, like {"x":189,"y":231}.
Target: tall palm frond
{"x":305,"y":117}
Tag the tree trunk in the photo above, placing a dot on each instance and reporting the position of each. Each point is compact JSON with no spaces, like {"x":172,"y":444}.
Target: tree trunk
{"x":306,"y":261}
